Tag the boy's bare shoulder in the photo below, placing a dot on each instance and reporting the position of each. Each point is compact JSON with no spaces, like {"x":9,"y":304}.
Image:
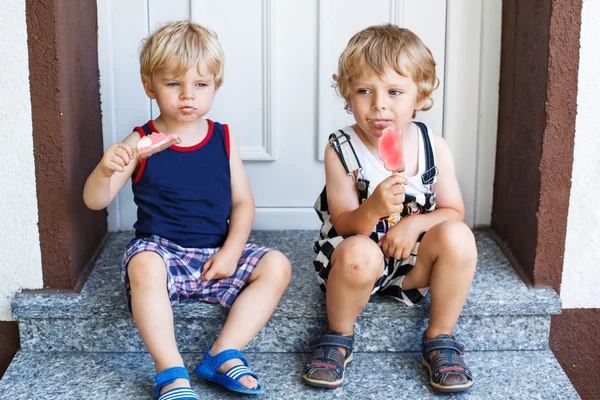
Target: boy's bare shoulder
{"x":132,"y":138}
{"x":440,"y":146}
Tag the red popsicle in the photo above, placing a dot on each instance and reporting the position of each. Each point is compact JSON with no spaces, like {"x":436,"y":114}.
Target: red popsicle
{"x":390,"y":149}
{"x":156,"y":142}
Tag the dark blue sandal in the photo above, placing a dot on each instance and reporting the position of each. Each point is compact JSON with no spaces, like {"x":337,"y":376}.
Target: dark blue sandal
{"x":446,"y":362}
{"x":167,"y":377}
{"x":230,"y":379}
{"x":328,"y":365}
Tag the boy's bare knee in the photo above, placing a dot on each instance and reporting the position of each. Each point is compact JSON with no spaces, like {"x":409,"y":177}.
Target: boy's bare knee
{"x":455,"y":237}
{"x":146,"y":269}
{"x":359,"y":259}
{"x":276,"y":266}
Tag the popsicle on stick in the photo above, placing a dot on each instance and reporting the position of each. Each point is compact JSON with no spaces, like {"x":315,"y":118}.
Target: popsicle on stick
{"x":390,"y":149}
{"x":155,"y":142}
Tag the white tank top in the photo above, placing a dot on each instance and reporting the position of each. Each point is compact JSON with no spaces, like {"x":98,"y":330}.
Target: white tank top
{"x":374,"y":171}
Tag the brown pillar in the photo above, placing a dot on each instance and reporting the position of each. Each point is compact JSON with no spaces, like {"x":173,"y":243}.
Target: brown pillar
{"x":9,"y":343}
{"x":67,"y":129}
{"x":536,"y":129}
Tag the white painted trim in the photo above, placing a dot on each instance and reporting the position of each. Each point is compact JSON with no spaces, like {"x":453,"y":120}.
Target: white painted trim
{"x":266,"y":151}
{"x":471,"y":99}
{"x":489,"y":92}
{"x":397,"y":12}
{"x":323,"y":77}
{"x":107,"y":93}
{"x":286,"y":218}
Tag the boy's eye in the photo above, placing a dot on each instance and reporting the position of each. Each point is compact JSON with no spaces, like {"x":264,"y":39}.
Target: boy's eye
{"x":200,"y":84}
{"x":394,"y":92}
{"x":173,"y":84}
{"x":364,"y":91}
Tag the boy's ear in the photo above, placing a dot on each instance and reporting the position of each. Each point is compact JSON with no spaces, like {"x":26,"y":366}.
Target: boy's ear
{"x":421,"y":103}
{"x":148,"y":87}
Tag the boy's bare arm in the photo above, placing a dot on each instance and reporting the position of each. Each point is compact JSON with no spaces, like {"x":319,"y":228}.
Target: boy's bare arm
{"x":242,"y":202}
{"x":101,"y":187}
{"x":450,"y":205}
{"x":347,"y":215}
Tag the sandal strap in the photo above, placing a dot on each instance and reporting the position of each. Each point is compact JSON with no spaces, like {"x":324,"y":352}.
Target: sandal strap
{"x":169,"y":376}
{"x":448,"y":359}
{"x":334,"y":339}
{"x":212,"y":363}
{"x":442,"y":342}
{"x":448,"y":362}
{"x":179,"y":393}
{"x":328,"y":355}
{"x":238,"y":371}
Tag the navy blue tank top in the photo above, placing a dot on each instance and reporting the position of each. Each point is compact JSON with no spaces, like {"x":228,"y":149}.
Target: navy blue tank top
{"x":184,"y":193}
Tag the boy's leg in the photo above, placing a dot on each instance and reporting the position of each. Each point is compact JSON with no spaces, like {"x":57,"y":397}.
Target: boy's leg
{"x":152,"y":312}
{"x":446,"y":263}
{"x":252,"y":309}
{"x":356,"y":265}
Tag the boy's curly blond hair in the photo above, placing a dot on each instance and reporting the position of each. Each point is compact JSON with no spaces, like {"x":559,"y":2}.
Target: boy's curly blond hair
{"x":378,"y":47}
{"x":180,"y":46}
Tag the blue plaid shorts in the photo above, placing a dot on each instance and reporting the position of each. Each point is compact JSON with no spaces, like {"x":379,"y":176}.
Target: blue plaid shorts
{"x":184,"y":269}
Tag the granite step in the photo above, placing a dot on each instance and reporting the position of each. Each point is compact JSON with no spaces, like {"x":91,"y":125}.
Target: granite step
{"x":501,"y":312}
{"x":125,"y":376}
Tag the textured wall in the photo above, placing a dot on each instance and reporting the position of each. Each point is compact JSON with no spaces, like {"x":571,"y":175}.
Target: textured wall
{"x":20,"y":261}
{"x":575,"y":334}
{"x":67,"y":131}
{"x":581,"y":270}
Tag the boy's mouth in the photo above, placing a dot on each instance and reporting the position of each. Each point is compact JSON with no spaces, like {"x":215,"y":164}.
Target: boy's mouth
{"x":379,"y":123}
{"x":187,"y":109}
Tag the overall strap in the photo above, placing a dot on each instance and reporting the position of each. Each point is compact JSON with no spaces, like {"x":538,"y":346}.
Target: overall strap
{"x":431,"y":170}
{"x":341,"y":144}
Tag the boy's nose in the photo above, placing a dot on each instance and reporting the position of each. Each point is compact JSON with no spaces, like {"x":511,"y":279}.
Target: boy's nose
{"x":379,"y":103}
{"x":186,"y":93}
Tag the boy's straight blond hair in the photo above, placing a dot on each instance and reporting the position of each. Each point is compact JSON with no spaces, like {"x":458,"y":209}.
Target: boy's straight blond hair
{"x":180,"y":46}
{"x":378,"y":47}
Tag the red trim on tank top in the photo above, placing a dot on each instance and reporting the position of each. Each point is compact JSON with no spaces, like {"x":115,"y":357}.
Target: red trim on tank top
{"x":226,"y":127}
{"x":137,"y":177}
{"x":211,"y":126}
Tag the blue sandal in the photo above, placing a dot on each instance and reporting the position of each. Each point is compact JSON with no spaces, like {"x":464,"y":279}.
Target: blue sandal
{"x":167,"y":377}
{"x":328,"y":361}
{"x":208,"y":370}
{"x":446,"y":362}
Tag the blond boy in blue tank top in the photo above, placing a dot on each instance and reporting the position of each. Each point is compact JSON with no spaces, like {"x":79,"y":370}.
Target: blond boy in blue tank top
{"x":195,"y":213}
{"x":385,"y":75}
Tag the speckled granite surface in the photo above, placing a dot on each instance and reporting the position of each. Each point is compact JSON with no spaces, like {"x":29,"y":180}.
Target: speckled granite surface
{"x":501,"y":312}
{"x":284,"y":334}
{"x":496,"y":289}
{"x":129,"y":376}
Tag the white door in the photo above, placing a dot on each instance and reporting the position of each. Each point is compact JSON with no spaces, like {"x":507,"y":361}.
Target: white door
{"x":276,"y":97}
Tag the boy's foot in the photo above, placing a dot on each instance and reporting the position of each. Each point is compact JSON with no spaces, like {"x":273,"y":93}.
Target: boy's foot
{"x":228,"y":368}
{"x":174,"y":383}
{"x":248,"y":380}
{"x":448,"y":372}
{"x":328,"y":366}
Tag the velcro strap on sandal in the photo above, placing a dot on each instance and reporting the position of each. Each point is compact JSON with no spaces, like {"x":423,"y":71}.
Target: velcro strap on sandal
{"x":332,"y":339}
{"x":212,"y":363}
{"x":442,"y":343}
{"x":169,"y":376}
